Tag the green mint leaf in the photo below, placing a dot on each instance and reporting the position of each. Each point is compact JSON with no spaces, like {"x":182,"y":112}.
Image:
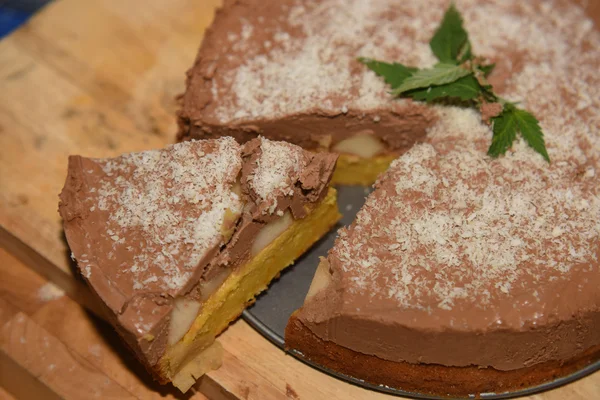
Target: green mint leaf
{"x":438,"y":75}
{"x":465,"y":88}
{"x":505,"y":132}
{"x":530,"y":131}
{"x":487,"y":69}
{"x":508,"y":123}
{"x":393,"y":74}
{"x":450,"y":43}
{"x":465,"y":53}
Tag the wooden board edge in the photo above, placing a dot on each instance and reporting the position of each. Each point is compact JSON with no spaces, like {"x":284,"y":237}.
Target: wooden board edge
{"x":75,"y":289}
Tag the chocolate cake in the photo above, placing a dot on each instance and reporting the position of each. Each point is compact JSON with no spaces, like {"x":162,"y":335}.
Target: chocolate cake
{"x":287,"y":70}
{"x":176,"y":242}
{"x":464,"y":274}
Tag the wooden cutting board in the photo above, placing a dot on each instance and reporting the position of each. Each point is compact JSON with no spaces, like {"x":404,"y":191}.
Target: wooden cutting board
{"x":99,"y":78}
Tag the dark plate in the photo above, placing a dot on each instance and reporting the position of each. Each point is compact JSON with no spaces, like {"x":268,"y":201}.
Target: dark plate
{"x":270,"y":313}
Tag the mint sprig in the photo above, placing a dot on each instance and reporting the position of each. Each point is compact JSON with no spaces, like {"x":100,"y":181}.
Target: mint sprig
{"x":461,"y":76}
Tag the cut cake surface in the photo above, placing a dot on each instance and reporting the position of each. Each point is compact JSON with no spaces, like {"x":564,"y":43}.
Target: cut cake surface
{"x":160,"y":234}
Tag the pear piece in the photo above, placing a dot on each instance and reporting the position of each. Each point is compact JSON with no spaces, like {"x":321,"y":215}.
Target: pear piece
{"x":362,"y":145}
{"x":183,"y":315}
{"x":270,"y":232}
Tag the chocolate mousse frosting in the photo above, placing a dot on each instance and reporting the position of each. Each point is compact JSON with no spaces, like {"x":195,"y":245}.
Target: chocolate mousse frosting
{"x":458,"y":269}
{"x":426,"y":276}
{"x":148,"y":228}
{"x":268,"y":69}
{"x":476,"y":268}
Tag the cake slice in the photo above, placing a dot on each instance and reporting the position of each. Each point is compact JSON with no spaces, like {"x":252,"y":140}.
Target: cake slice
{"x":289,"y":71}
{"x":177,"y":242}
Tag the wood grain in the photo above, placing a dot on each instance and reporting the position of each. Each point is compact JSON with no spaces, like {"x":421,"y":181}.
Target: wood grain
{"x":7,"y":311}
{"x":4,"y":395}
{"x":19,"y":285}
{"x":100,"y":78}
{"x":54,"y":366}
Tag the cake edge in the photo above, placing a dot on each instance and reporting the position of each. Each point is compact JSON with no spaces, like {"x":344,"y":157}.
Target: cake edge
{"x":429,"y":379}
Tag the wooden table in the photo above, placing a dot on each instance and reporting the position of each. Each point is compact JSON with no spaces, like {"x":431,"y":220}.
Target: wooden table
{"x":99,"y":78}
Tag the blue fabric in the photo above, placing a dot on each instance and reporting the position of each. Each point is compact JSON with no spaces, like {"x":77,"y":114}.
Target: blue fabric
{"x":15,"y":12}
{"x":10,"y":19}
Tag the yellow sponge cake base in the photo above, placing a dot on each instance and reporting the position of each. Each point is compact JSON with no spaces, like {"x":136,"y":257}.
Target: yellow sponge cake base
{"x":240,"y":288}
{"x":354,"y":170}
